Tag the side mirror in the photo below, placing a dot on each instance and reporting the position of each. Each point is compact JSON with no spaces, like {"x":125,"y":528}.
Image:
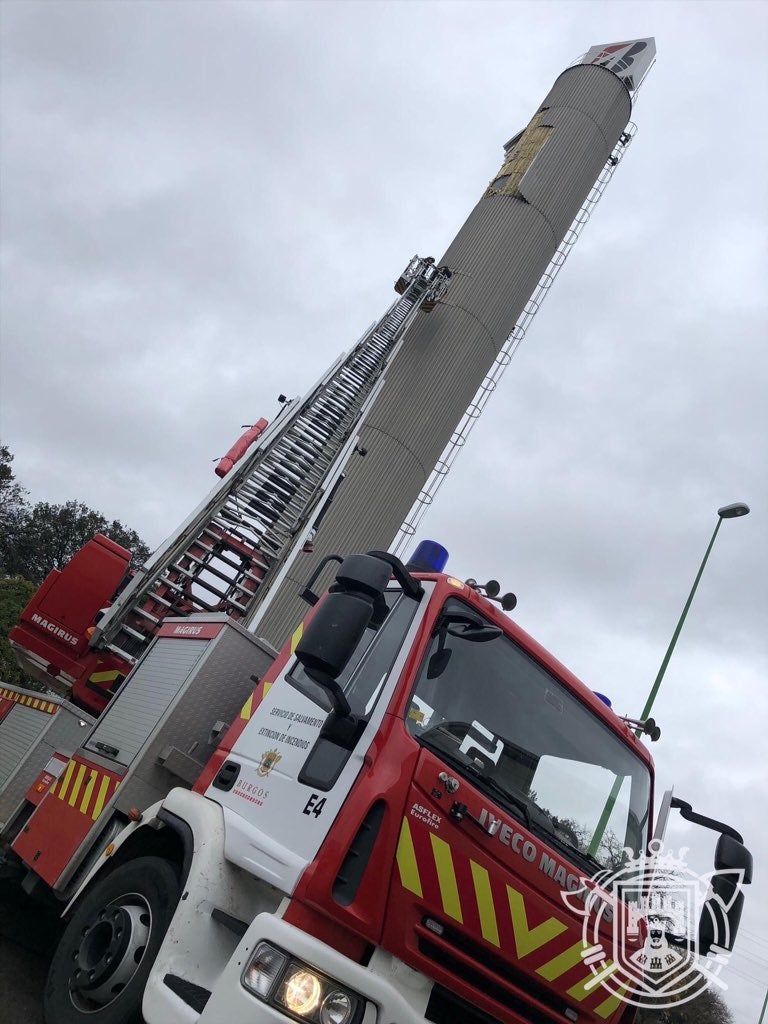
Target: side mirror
{"x":476,"y":634}
{"x":467,"y":626}
{"x":463,"y":625}
{"x":337,"y":627}
{"x":721,"y":913}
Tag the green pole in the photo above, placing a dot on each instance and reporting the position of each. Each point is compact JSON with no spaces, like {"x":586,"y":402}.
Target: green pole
{"x":657,"y":682}
{"x":597,"y":838}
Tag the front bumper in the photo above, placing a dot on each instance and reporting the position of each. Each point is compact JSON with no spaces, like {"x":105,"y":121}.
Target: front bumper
{"x":395,"y":994}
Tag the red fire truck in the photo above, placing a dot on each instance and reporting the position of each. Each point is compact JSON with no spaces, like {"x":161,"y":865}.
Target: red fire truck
{"x":383,"y":834}
{"x":379,"y":830}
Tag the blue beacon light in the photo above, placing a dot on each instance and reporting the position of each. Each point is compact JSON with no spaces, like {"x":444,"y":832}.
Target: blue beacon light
{"x":429,"y":556}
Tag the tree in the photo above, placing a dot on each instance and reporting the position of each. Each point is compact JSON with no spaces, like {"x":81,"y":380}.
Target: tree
{"x":708,"y":1008}
{"x":15,"y":593}
{"x":13,"y":501}
{"x":46,"y":536}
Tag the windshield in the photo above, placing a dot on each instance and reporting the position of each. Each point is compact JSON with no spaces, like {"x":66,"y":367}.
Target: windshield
{"x":508,"y":725}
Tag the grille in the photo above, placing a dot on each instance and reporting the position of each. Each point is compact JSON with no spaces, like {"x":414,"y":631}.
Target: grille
{"x":445,"y":1008}
{"x":489,"y":974}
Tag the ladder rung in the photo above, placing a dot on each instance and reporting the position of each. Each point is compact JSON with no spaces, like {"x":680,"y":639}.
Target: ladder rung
{"x":233,"y":582}
{"x":146,"y":615}
{"x":130,"y":658}
{"x":222,"y":556}
{"x":133,"y":632}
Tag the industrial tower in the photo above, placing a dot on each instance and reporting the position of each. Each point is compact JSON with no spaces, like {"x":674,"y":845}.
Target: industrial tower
{"x":496,"y":261}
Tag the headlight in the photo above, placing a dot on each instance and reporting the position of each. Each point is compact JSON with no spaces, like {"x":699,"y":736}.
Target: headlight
{"x":302,"y":992}
{"x":298,"y":989}
{"x":337,"y":1008}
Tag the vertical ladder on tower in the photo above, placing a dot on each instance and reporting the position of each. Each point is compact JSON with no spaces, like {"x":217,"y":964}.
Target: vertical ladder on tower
{"x":224,"y":556}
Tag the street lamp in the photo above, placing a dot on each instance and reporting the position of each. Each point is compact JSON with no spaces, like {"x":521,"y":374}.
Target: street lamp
{"x":738,"y":508}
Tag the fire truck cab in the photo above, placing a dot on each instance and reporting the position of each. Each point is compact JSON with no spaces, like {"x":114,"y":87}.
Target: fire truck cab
{"x":384,"y":834}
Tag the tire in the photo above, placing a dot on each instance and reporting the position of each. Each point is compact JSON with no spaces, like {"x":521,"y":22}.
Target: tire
{"x":101,"y":965}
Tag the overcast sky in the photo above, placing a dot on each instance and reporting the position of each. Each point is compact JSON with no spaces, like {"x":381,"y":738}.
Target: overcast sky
{"x":204,"y":203}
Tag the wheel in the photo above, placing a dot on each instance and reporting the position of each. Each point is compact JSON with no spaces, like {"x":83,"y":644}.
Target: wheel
{"x":103,"y":960}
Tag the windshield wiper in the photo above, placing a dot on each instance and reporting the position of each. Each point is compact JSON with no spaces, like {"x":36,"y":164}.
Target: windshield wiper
{"x":504,"y":795}
{"x":568,"y":848}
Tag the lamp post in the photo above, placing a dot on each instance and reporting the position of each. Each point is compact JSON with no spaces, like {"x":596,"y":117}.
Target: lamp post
{"x":733,"y":511}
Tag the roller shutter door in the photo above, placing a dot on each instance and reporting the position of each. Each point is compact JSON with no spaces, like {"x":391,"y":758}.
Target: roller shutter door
{"x":145,"y":698}
{"x":18,"y":731}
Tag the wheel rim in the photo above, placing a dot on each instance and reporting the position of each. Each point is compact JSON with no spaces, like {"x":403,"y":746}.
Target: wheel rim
{"x":110,"y":950}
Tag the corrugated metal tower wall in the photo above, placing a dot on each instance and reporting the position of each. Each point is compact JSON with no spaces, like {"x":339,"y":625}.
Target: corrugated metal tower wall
{"x":497,"y":259}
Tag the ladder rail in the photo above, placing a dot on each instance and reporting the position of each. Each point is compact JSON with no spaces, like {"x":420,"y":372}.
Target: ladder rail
{"x":238,"y":539}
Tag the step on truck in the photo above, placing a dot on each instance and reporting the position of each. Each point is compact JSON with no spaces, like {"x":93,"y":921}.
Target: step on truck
{"x":383,"y":835}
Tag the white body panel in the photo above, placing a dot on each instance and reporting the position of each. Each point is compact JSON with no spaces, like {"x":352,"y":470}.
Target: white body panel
{"x":270,"y":831}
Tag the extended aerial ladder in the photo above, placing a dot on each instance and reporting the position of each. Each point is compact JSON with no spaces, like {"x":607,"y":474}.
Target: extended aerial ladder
{"x":227,"y":554}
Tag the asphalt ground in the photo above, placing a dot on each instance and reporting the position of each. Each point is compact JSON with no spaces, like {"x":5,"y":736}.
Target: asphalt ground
{"x":29,"y":932}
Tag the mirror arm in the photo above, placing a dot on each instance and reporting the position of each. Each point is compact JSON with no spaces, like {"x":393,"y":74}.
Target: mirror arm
{"x":308,"y":594}
{"x":411,"y":587}
{"x":343,"y":730}
{"x":687,"y":812}
{"x":448,"y":619}
{"x":336,"y":696}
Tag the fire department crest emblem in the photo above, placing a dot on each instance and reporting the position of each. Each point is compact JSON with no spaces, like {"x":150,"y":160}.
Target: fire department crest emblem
{"x":267,"y":762}
{"x":656,"y":903}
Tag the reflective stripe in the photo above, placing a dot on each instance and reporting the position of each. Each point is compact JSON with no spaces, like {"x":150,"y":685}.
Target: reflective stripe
{"x":529,"y":939}
{"x":76,"y":785}
{"x":104,"y":677}
{"x":406,"y":861}
{"x":485,"y":906}
{"x":38,"y":703}
{"x":97,"y":807}
{"x":562,"y":963}
{"x":582,"y":989}
{"x":88,"y":790}
{"x":247,"y":708}
{"x":65,"y":781}
{"x":446,"y":877}
{"x":80,"y":796}
{"x":296,"y":636}
{"x":606,"y":1008}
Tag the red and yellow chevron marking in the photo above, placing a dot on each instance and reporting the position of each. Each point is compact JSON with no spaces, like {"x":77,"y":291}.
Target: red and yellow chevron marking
{"x":265,"y":685}
{"x":100,"y":678}
{"x":479,"y":900}
{"x":85,"y":788}
{"x":38,"y":703}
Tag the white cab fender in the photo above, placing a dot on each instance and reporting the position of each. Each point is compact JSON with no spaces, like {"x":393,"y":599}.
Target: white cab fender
{"x":196,"y":946}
